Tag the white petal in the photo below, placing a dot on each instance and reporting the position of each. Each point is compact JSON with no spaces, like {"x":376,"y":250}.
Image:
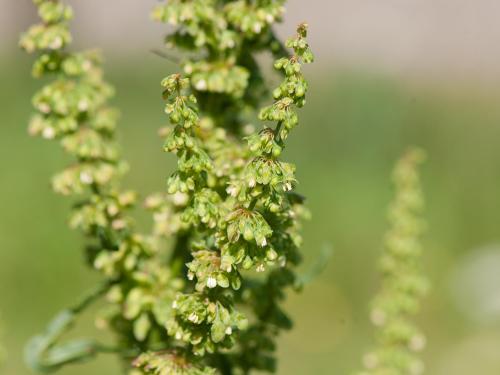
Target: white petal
{"x":56,"y":43}
{"x":48,"y":133}
{"x":83,"y":105}
{"x":193,"y":317}
{"x":86,"y":178}
{"x":211,"y":282}
{"x":201,"y":85}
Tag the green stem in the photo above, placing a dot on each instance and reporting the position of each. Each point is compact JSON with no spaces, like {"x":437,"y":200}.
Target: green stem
{"x":277,"y":132}
{"x":44,"y":354}
{"x":254,"y":201}
{"x":92,"y":296}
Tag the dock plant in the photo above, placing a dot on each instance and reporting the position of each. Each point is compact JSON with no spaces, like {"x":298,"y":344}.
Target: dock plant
{"x":201,"y":293}
{"x":403,"y":282}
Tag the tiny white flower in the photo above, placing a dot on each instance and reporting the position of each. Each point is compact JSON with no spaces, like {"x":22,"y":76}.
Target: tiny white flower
{"x":188,"y":69}
{"x":232,"y":190}
{"x":180,"y":198}
{"x":83,"y":105}
{"x":178,"y":335}
{"x":260,"y":268}
{"x":264,"y":242}
{"x":211,"y":282}
{"x":44,"y":108}
{"x":229,"y":330}
{"x":190,"y":275}
{"x":86,"y":65}
{"x":56,"y":43}
{"x":201,"y":85}
{"x":193,"y":317}
{"x":417,"y":343}
{"x":269,"y":18}
{"x":287,"y":186}
{"x":86,"y":178}
{"x":174,"y":305}
{"x":113,"y":210}
{"x":160,"y":216}
{"x":152,"y":201}
{"x":282,"y":261}
{"x":257,"y":27}
{"x":118,"y":224}
{"x":378,"y":317}
{"x":48,"y":133}
{"x":252,"y":182}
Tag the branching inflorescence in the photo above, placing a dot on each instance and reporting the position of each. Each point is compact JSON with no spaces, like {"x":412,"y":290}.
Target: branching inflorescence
{"x":403,"y":282}
{"x":201,"y":294}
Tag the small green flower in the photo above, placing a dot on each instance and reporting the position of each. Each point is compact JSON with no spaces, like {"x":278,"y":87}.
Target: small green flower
{"x":254,"y":18}
{"x":169,"y":363}
{"x":212,"y":271}
{"x":204,"y":323}
{"x":250,"y":225}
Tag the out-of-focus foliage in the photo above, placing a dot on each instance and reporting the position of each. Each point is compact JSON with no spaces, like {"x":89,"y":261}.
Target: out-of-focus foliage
{"x":3,"y":351}
{"x":403,"y":281}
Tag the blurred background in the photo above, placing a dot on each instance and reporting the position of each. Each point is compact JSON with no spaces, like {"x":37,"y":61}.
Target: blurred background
{"x":389,"y":74}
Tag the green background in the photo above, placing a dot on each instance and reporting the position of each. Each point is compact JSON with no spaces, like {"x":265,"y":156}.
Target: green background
{"x":354,"y":127}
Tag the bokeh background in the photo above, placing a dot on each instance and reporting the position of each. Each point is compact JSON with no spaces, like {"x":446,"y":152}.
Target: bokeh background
{"x":390,"y":73}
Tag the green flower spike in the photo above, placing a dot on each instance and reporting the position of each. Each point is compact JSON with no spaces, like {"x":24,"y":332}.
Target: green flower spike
{"x":403,"y":282}
{"x":202,"y":293}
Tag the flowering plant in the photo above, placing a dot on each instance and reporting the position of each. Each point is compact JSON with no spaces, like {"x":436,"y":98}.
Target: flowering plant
{"x":403,"y":282}
{"x":201,"y":293}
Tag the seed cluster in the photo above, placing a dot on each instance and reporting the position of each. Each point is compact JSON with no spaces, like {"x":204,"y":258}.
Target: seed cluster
{"x":201,"y":294}
{"x":239,"y":211}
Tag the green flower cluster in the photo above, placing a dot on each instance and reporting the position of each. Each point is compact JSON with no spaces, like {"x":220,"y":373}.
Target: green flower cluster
{"x":72,"y":109}
{"x":237,"y":210}
{"x":403,"y":283}
{"x":166,"y":363}
{"x":201,"y":294}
